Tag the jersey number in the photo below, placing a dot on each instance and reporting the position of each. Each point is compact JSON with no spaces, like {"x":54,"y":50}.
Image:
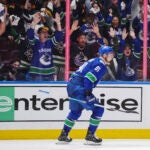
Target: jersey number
{"x":97,"y":69}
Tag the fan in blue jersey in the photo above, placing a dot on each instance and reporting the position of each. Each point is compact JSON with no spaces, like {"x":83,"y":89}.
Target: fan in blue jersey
{"x":42,"y":67}
{"x":80,"y":89}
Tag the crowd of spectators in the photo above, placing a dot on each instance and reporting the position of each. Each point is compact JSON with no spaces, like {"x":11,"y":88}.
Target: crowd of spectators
{"x":32,"y":38}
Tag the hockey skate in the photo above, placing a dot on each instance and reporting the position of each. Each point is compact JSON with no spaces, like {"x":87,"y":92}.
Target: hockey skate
{"x":63,"y":138}
{"x":91,"y":139}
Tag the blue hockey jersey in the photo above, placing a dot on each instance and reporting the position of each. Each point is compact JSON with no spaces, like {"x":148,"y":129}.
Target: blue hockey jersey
{"x":91,"y":71}
{"x":42,"y":61}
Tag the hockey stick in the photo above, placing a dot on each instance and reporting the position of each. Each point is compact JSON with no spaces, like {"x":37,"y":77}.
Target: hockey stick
{"x":82,"y":101}
{"x":77,"y":100}
{"x":98,"y":105}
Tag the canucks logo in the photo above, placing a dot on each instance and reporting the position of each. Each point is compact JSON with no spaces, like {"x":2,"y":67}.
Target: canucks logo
{"x":80,"y":59}
{"x":45,"y":59}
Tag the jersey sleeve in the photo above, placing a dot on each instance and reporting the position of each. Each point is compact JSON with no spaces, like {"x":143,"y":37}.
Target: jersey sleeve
{"x":30,"y":36}
{"x":56,"y":39}
{"x":94,"y":75}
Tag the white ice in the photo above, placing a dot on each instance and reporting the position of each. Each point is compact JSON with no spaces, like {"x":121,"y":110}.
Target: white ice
{"x":116,"y":144}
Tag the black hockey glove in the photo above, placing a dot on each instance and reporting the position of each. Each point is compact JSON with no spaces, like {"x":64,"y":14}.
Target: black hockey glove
{"x":88,"y":92}
{"x":90,"y":98}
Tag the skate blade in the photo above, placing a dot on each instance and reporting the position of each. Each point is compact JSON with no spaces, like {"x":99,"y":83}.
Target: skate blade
{"x":92,"y":143}
{"x":62,"y":143}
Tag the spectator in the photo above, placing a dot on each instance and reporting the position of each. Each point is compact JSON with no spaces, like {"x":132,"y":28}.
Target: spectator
{"x":125,"y":7}
{"x":27,"y":13}
{"x":87,"y":29}
{"x":9,"y":72}
{"x":80,"y":51}
{"x":114,"y":7}
{"x":128,"y":57}
{"x":98,"y":10}
{"x":116,"y":27}
{"x":42,"y":68}
{"x":137,"y":23}
{"x":78,"y":11}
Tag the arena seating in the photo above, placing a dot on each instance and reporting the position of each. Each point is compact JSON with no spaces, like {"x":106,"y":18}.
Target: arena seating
{"x":8,"y":50}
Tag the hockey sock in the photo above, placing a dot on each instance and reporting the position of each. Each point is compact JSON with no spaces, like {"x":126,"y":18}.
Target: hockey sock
{"x":93,"y":125}
{"x":68,"y":124}
{"x":95,"y":119}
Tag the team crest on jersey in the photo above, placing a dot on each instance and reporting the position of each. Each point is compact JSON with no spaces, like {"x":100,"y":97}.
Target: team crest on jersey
{"x":45,"y":59}
{"x":80,"y":59}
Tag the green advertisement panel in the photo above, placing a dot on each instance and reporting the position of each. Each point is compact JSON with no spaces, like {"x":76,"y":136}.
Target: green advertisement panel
{"x":6,"y":103}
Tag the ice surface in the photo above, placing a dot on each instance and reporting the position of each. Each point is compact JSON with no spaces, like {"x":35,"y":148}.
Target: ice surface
{"x":116,"y":144}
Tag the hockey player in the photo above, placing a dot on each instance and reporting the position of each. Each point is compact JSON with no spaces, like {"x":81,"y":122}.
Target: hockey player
{"x":80,"y":89}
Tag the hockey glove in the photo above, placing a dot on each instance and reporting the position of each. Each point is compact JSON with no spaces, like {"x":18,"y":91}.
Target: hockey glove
{"x":90,"y":100}
{"x":88,"y":93}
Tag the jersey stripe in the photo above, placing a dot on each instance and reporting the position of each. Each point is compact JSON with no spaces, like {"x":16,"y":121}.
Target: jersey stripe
{"x":94,"y":121}
{"x":42,"y":70}
{"x":91,"y":77}
{"x":69,"y":123}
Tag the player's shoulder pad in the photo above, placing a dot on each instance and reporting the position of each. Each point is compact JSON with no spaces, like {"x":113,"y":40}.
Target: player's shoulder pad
{"x":101,"y":61}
